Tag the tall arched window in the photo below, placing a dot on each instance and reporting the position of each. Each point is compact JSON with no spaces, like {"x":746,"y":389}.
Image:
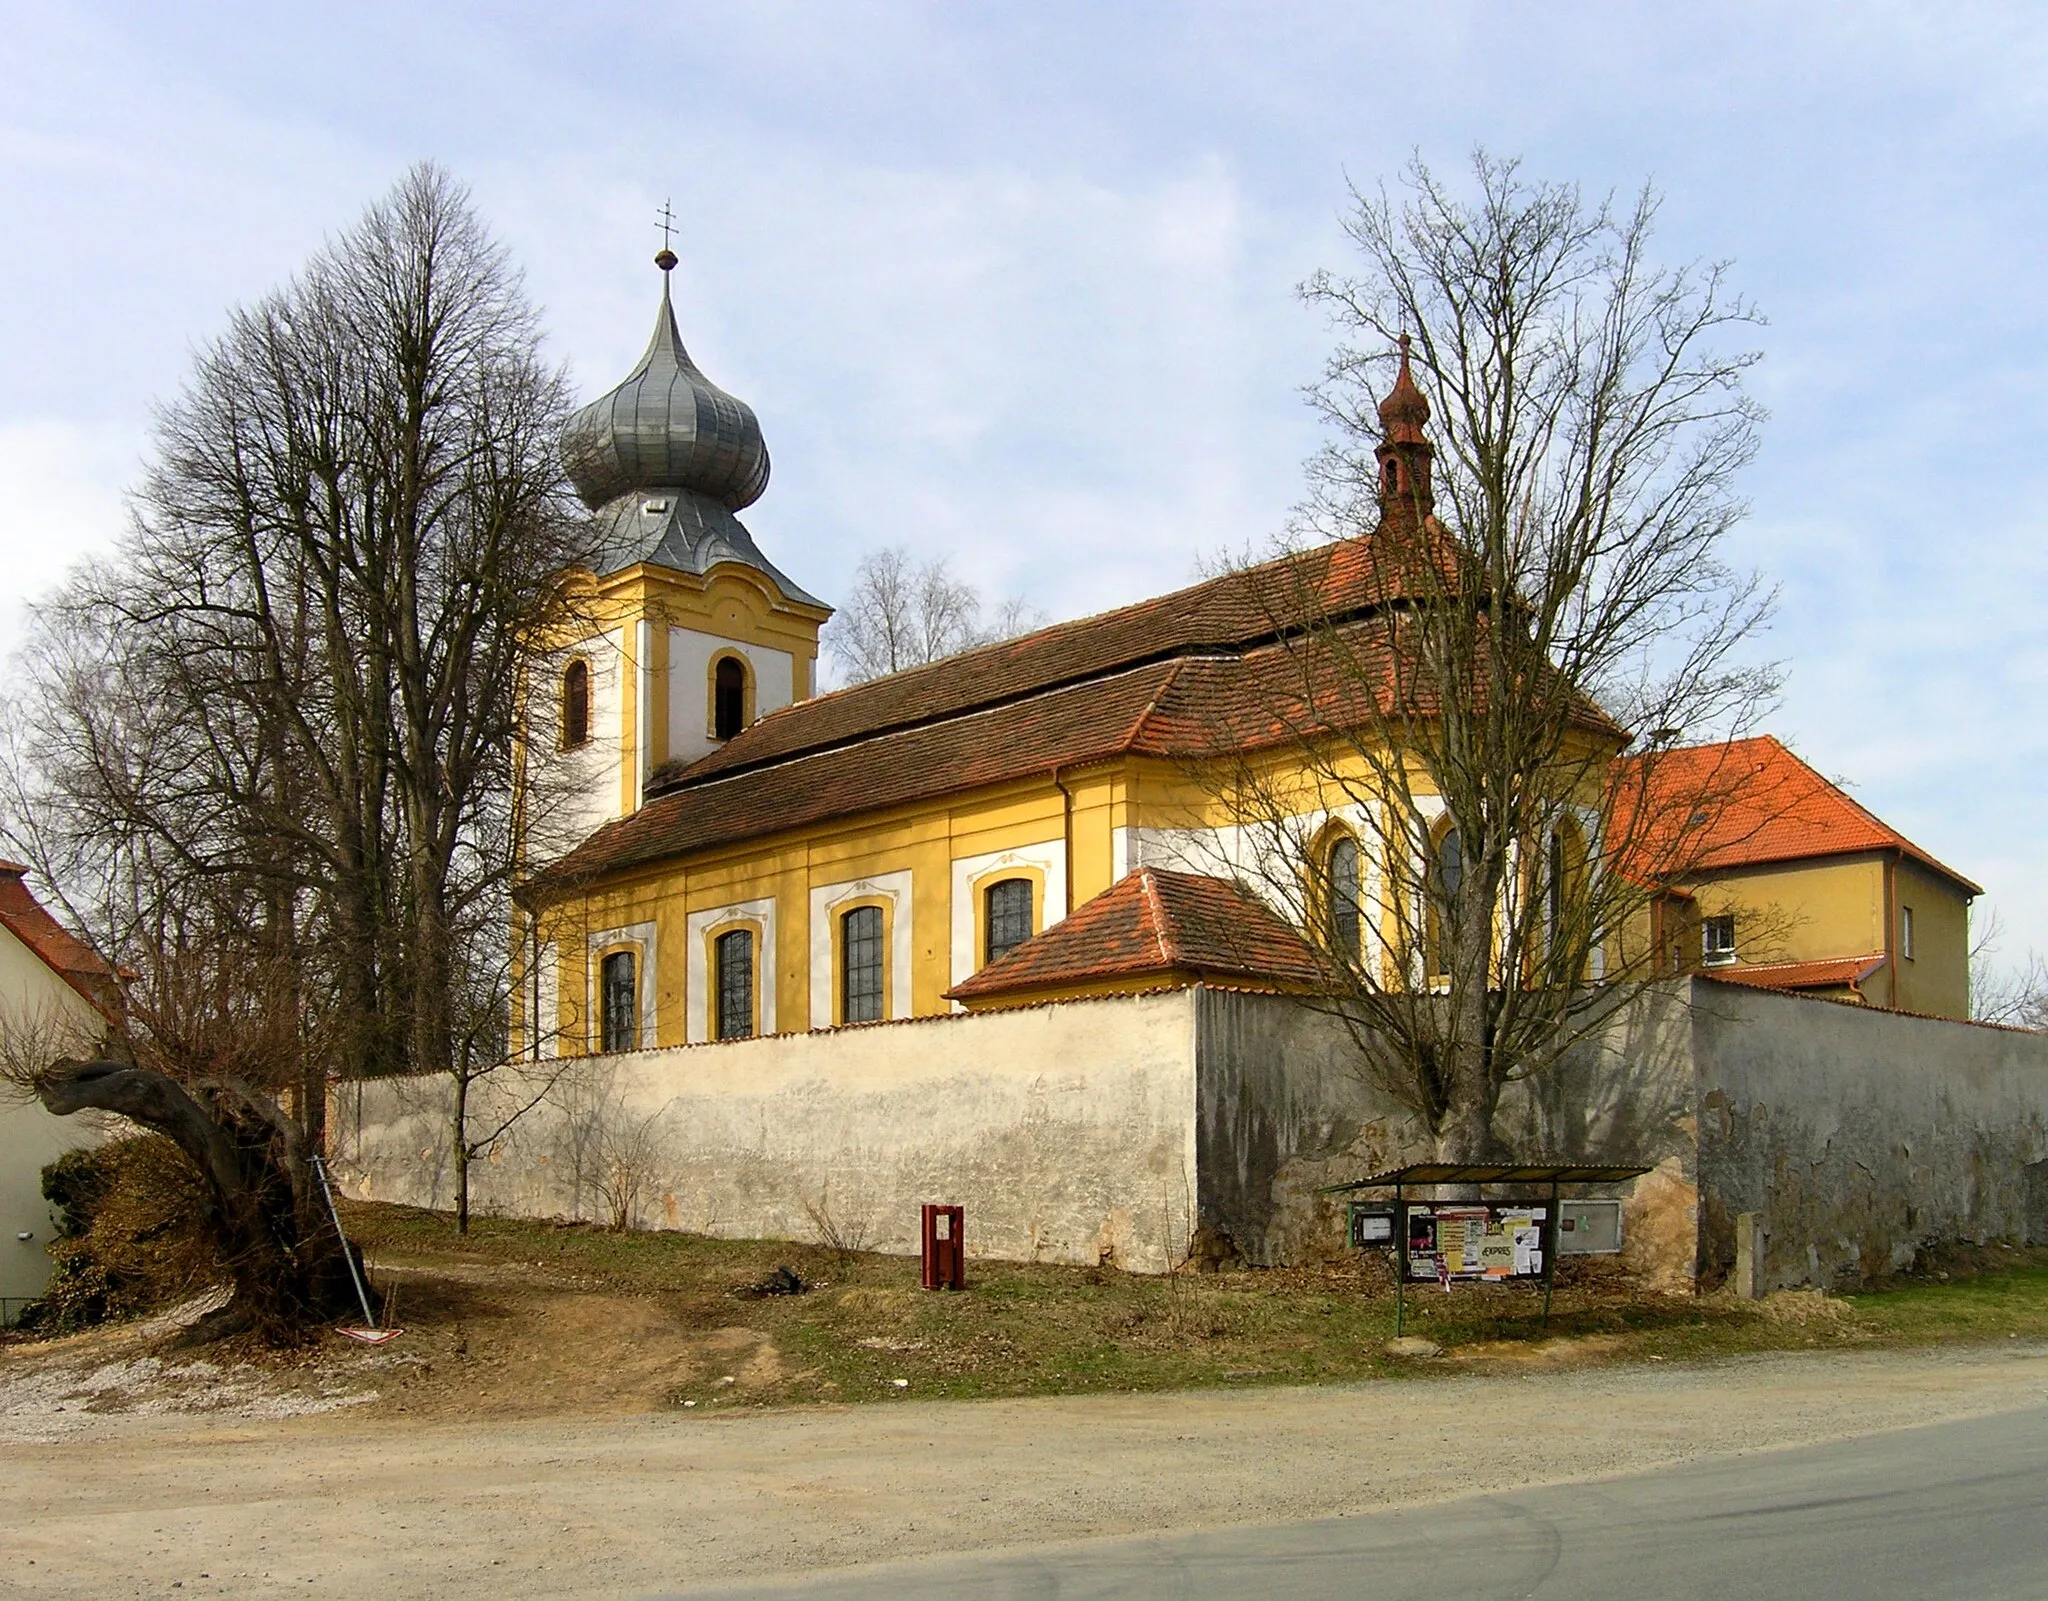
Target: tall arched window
{"x":1006,"y":916}
{"x":860,"y":965}
{"x":575,"y":704}
{"x":728,"y":697}
{"x":734,"y":982}
{"x":1344,"y":897}
{"x":619,"y":1013}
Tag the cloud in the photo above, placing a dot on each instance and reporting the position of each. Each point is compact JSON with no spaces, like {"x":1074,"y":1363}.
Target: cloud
{"x":60,"y":501}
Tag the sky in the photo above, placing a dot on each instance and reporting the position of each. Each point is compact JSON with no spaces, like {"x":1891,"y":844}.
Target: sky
{"x":1015,"y":284}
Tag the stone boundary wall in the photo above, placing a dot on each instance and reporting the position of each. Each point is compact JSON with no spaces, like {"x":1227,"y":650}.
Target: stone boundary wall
{"x":1067,"y":1132}
{"x":1861,"y":1137}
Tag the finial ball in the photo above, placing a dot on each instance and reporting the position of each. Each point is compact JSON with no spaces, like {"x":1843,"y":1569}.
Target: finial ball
{"x":665,"y":259}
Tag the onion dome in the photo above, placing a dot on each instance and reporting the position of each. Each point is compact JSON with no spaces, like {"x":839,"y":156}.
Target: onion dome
{"x":664,"y":461}
{"x":666,"y":427}
{"x":1405,"y":410}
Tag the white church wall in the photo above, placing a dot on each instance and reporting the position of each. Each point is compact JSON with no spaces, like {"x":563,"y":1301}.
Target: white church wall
{"x":1066,"y":1131}
{"x":576,"y":791}
{"x":689,"y":678}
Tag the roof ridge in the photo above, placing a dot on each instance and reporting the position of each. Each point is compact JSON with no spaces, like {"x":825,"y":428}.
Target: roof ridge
{"x":1169,"y":950}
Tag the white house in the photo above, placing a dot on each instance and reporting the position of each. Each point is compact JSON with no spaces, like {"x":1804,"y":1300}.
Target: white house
{"x":50,"y":979}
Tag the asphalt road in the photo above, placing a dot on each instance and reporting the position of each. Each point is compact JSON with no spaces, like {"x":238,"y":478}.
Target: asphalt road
{"x":1953,"y":1510}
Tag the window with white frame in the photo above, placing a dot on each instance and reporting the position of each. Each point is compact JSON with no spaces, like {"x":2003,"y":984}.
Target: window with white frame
{"x":1906,"y":932}
{"x":1717,"y":940}
{"x":619,"y":1008}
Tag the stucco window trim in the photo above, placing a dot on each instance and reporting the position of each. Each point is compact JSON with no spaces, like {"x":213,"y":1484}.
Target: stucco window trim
{"x":756,"y":930}
{"x":640,"y":939}
{"x":699,"y":994}
{"x":979,"y":887}
{"x":1044,"y":862}
{"x":828,"y":901}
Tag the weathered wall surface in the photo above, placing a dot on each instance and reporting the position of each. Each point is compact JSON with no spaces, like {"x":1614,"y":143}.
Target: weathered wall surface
{"x":1066,"y":1131}
{"x":1284,"y":1110}
{"x":1861,"y":1135}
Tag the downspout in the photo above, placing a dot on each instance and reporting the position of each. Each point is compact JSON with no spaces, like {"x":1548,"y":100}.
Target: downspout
{"x":1067,"y":834}
{"x":1891,"y":924}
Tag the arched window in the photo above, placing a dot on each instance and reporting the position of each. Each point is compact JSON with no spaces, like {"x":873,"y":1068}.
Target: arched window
{"x":1553,"y":887}
{"x":575,"y":704}
{"x":728,"y":697}
{"x":734,"y":981}
{"x":860,"y":965}
{"x":1006,"y":916}
{"x":619,"y":1014}
{"x":1344,"y":897}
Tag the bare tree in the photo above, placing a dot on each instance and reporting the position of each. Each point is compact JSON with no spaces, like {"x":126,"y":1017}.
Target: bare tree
{"x":900,"y":614}
{"x":2014,"y":996}
{"x":1505,"y":603}
{"x":283,"y":715}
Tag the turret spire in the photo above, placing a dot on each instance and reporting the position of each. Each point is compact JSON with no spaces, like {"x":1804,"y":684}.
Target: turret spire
{"x":1404,"y":452}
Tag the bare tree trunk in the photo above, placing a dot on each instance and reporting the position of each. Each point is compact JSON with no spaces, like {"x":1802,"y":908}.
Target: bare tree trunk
{"x":284,"y":1260}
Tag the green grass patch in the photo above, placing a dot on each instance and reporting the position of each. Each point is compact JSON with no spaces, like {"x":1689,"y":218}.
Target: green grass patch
{"x":865,"y":1331}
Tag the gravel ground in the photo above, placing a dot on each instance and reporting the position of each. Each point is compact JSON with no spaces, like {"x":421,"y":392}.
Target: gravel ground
{"x":345,"y":1505}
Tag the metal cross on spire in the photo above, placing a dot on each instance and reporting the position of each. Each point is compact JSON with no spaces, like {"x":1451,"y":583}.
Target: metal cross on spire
{"x":665,"y":259}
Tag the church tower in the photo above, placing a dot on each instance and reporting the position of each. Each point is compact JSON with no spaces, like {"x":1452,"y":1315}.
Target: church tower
{"x":686,"y":633}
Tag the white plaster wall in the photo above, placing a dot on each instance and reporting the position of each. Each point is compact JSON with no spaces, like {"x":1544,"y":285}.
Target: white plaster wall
{"x":825,"y":901}
{"x":1049,"y":858}
{"x":576,"y":791}
{"x":689,"y":678}
{"x":1067,"y":1132}
{"x":700,"y":929}
{"x":30,"y":1138}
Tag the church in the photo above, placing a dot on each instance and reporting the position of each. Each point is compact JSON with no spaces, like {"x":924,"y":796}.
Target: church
{"x":791,"y":963}
{"x":731,"y":854}
{"x":752,"y":858}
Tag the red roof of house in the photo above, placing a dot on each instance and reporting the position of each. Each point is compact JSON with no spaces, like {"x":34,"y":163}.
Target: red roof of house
{"x":1747,"y":803}
{"x":1832,"y":973}
{"x":1154,"y":923}
{"x":23,"y":916}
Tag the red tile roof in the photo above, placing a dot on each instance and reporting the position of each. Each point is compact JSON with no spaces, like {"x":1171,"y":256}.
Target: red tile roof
{"x":1324,"y":584}
{"x":1753,"y":803}
{"x":1832,"y":973}
{"x":23,"y":916}
{"x":1150,"y":924}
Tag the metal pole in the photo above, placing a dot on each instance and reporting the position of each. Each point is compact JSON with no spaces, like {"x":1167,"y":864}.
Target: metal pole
{"x":349,"y":1256}
{"x":1550,"y":1256}
{"x":1400,"y":1258}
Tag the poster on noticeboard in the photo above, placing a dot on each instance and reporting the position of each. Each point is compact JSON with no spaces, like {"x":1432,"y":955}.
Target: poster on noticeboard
{"x":1474,"y":1243}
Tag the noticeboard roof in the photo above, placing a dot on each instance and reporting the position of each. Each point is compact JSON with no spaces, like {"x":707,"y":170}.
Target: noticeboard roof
{"x":1491,"y":1173}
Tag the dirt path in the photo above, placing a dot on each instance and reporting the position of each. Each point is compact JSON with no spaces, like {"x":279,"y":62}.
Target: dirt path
{"x":346,"y":1504}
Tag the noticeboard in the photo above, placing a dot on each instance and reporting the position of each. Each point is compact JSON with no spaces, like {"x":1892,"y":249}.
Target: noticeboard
{"x":1372,"y":1227}
{"x":1589,"y":1228}
{"x":1446,"y":1241}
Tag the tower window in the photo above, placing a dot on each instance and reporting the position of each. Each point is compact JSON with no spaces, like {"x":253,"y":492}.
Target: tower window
{"x":728,"y":697}
{"x":1393,"y":478}
{"x":1344,"y":898}
{"x":734,"y":957}
{"x":576,"y":704}
{"x":619,"y":1017}
{"x":1006,"y":918}
{"x":860,"y":965}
